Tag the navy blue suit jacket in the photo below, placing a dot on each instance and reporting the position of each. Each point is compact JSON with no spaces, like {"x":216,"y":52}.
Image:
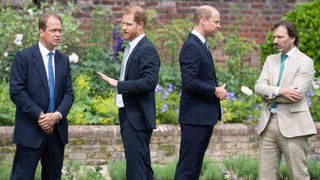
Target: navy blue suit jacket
{"x":140,"y":81}
{"x":198,"y":103}
{"x":29,"y":90}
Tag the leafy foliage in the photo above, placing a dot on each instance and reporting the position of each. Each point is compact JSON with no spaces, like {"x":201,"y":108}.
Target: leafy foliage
{"x":244,"y":166}
{"x":26,"y":24}
{"x":97,"y":59}
{"x":305,"y":18}
{"x":91,"y":110}
{"x":242,"y":109}
{"x":7,"y":107}
{"x":167,"y":104}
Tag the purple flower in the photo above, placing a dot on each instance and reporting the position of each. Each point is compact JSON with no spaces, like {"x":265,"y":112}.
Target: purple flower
{"x":222,"y":111}
{"x":311,"y":93}
{"x":170,"y":87}
{"x":309,"y":102}
{"x":231,"y":95}
{"x":257,"y":106}
{"x":164,"y":108}
{"x":165,"y":94}
{"x":117,"y":41}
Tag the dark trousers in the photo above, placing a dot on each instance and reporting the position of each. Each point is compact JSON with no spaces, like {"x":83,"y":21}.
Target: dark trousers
{"x":136,"y":148}
{"x":50,"y":153}
{"x":194,"y":142}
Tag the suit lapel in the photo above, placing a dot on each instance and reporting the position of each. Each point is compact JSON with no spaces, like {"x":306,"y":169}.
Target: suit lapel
{"x":58,"y":65}
{"x":275,"y":69}
{"x":38,"y":62}
{"x":134,"y":51}
{"x":289,"y":66}
{"x":203,"y":47}
{"x":208,"y":53}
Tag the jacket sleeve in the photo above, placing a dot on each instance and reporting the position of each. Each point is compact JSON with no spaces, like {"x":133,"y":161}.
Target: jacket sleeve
{"x":68,"y":96}
{"x":149,"y":64}
{"x":18,"y":88}
{"x":190,"y":62}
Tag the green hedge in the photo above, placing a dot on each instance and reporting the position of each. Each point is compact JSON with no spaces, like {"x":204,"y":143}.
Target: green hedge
{"x":305,"y":17}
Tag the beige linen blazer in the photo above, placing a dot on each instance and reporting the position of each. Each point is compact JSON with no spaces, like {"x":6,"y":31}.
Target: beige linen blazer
{"x":294,"y":119}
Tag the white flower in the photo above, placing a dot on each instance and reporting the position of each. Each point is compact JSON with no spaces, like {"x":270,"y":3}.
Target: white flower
{"x":5,"y":54}
{"x":7,"y":69}
{"x":246,"y":90}
{"x":73,"y":58}
{"x":316,"y":84}
{"x":18,"y":39}
{"x":30,"y":12}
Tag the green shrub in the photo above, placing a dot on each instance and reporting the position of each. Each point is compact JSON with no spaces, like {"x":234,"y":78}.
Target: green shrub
{"x":241,"y":109}
{"x":95,"y":59}
{"x":243,"y":166}
{"x":167,"y":104}
{"x":313,"y":101}
{"x":314,"y":168}
{"x":164,"y":171}
{"x":305,"y":17}
{"x":91,"y":110}
{"x":211,"y":171}
{"x":117,"y":169}
{"x":170,"y":75}
{"x":283,"y":171}
{"x":7,"y":109}
{"x":6,"y":167}
{"x":26,"y":24}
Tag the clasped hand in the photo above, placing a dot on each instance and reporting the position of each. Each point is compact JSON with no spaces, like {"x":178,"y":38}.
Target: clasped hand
{"x":290,"y":93}
{"x":47,"y":121}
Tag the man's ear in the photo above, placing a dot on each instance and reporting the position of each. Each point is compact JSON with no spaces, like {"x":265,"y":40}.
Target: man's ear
{"x":141,"y":25}
{"x":41,"y":31}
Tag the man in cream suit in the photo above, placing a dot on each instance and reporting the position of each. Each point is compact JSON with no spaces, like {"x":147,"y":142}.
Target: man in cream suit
{"x":285,"y":122}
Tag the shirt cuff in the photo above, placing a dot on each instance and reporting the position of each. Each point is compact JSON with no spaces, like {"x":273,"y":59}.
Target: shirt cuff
{"x":276,"y":92}
{"x":59,"y":115}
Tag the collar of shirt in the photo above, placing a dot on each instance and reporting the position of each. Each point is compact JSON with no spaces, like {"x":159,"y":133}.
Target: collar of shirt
{"x":135,"y":41}
{"x":45,"y":55}
{"x":292,"y":52}
{"x":196,"y":33}
{"x":44,"y":51}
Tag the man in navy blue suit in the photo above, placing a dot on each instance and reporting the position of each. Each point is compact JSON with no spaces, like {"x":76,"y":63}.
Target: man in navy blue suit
{"x":200,"y":97}
{"x":41,"y":88}
{"x":136,"y":98}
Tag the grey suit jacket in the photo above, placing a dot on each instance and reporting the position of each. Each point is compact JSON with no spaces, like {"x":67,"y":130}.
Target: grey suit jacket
{"x":294,"y":118}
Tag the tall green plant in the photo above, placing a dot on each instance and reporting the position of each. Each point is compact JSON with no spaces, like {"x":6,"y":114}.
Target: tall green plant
{"x":100,"y":33}
{"x":239,"y":71}
{"x":168,"y":38}
{"x":305,"y":17}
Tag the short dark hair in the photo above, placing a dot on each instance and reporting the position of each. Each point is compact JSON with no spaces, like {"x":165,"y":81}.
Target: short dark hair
{"x":42,"y":23}
{"x":139,"y":15}
{"x":291,"y":29}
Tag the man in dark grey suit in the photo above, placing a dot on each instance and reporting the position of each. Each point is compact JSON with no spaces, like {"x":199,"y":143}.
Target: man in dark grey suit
{"x":41,"y":88}
{"x":136,"y":98}
{"x":200,"y":97}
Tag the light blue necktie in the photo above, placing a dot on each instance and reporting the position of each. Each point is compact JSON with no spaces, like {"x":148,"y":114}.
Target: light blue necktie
{"x":51,"y":83}
{"x":283,"y":59}
{"x":124,"y":62}
{"x":207,"y":45}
